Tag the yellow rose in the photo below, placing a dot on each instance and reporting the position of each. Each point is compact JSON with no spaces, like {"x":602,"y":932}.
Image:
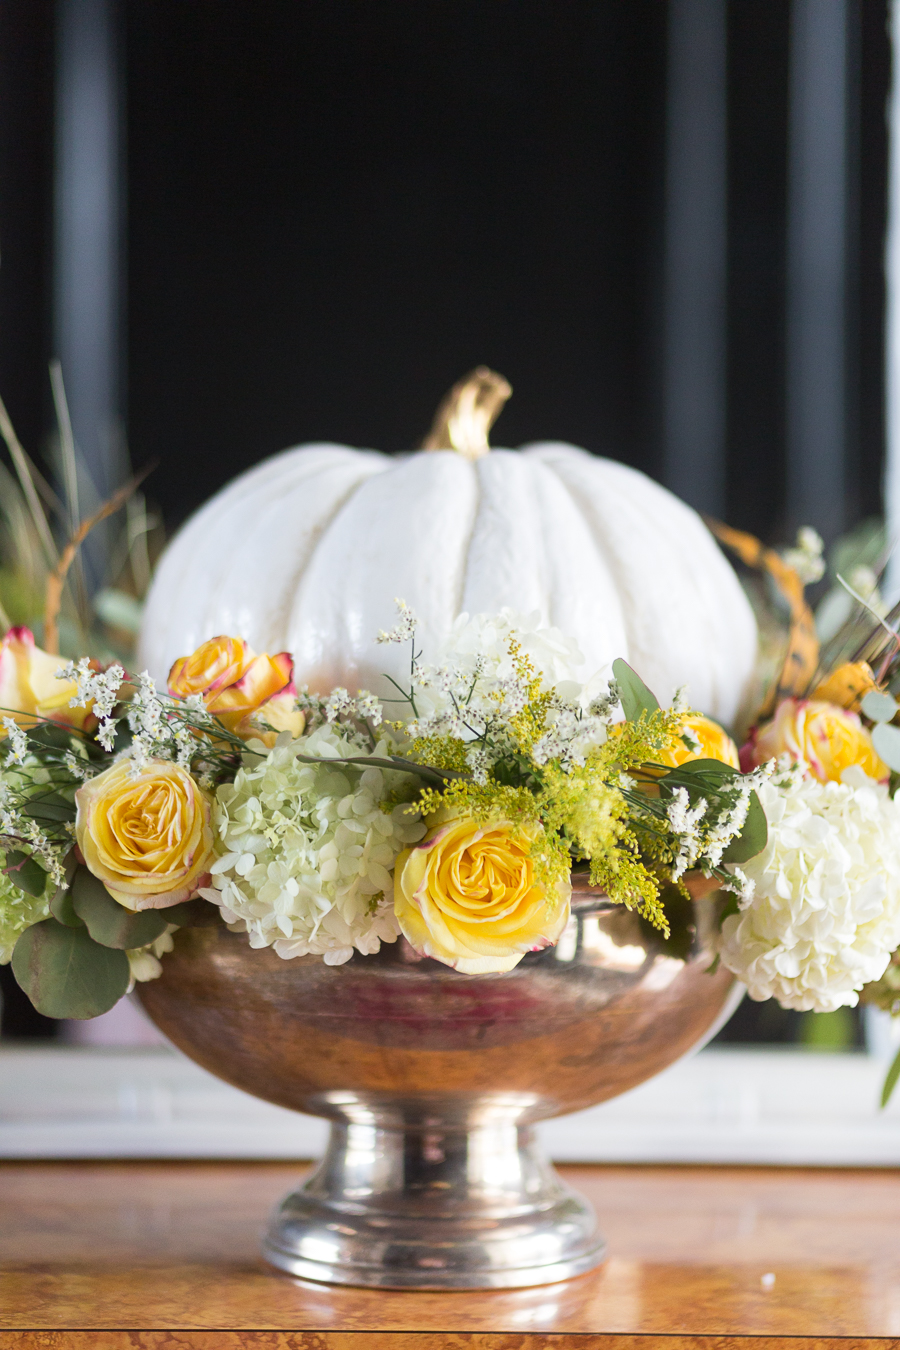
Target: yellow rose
{"x":714,"y":744}
{"x":149,"y":838}
{"x":467,"y":896}
{"x":246,"y":692}
{"x":29,"y":690}
{"x":828,"y":738}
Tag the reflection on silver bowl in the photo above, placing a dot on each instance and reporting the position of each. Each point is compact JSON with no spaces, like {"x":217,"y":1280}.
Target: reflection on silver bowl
{"x":433,"y":1081}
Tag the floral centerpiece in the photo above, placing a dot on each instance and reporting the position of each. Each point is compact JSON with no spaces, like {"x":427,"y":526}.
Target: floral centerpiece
{"x":453,"y":814}
{"x":409,"y":912}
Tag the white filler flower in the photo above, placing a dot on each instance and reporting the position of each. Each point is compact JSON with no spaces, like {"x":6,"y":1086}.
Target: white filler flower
{"x":477,"y":688}
{"x":307,"y":851}
{"x":823,"y":915}
{"x":482,"y":641}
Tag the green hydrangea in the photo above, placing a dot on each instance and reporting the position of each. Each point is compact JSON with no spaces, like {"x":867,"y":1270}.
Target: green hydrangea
{"x":18,"y":911}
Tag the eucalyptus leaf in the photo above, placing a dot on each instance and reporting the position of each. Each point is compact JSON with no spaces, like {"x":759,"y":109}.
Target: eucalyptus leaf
{"x":886,"y":740}
{"x":196,"y":913}
{"x":636,"y":697}
{"x":66,"y":974}
{"x":108,"y":922}
{"x":752,"y":838}
{"x":25,"y":872}
{"x":879,"y":707}
{"x":63,"y":910}
{"x":890,"y":1081}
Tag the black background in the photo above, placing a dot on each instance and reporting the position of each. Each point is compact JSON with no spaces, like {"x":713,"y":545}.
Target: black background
{"x":333,"y":210}
{"x":337,"y":209}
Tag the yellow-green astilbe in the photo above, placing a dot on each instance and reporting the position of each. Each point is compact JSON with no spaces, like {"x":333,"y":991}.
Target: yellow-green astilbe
{"x":586,"y":804}
{"x":573,"y":806}
{"x":592,"y":816}
{"x":443,"y":752}
{"x":580,"y":807}
{"x":529,"y":725}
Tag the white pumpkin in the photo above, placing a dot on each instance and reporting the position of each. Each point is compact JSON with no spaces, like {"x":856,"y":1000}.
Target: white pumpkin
{"x":307,"y":551}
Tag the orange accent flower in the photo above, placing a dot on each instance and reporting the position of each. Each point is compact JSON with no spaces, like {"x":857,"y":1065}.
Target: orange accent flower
{"x":253,"y":696}
{"x":827,"y":738}
{"x":213,"y":666}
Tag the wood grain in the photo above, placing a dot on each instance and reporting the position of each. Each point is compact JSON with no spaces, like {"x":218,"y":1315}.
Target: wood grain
{"x":163,"y":1256}
{"x":412,"y":1340}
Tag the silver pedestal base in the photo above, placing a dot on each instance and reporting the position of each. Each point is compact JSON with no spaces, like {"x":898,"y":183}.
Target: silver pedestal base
{"x":421,"y":1208}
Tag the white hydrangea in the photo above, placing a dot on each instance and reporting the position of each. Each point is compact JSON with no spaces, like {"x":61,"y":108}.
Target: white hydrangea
{"x":821,"y":916}
{"x":144,"y":963}
{"x":307,"y":851}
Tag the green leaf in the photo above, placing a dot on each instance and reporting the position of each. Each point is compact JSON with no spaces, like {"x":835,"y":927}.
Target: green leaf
{"x":108,"y":922}
{"x":51,"y":808}
{"x":879,"y":707}
{"x":890,"y":1082}
{"x":636,"y":697}
{"x":886,"y":740}
{"x":730,"y":907}
{"x":25,"y":872}
{"x":426,"y":771}
{"x":716,"y":767}
{"x":752,"y":838}
{"x":62,"y":909}
{"x":700,"y":772}
{"x":55,"y":737}
{"x":196,"y":913}
{"x":410,"y":766}
{"x":66,"y":974}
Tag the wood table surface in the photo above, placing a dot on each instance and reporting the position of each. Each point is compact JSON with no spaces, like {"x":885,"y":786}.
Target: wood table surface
{"x":163,"y":1256}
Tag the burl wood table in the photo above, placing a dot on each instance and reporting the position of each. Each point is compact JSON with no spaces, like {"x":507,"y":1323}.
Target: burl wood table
{"x":162,"y":1256}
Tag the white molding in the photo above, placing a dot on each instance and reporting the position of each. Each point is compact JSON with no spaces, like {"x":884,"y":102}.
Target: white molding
{"x":723,"y":1106}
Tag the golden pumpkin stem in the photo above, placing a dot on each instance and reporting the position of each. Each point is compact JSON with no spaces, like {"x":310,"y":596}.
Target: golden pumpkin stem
{"x":467,"y":413}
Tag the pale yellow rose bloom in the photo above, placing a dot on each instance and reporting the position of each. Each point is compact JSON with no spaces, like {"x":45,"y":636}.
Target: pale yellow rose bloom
{"x":467,"y":896}
{"x":828,"y":738}
{"x":30,"y":693}
{"x":149,"y":838}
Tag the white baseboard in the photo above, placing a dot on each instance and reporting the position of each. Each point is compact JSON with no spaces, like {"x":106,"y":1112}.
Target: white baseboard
{"x":723,"y":1106}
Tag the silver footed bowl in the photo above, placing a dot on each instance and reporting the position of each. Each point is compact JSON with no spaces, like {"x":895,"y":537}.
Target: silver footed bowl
{"x":433,"y":1081}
